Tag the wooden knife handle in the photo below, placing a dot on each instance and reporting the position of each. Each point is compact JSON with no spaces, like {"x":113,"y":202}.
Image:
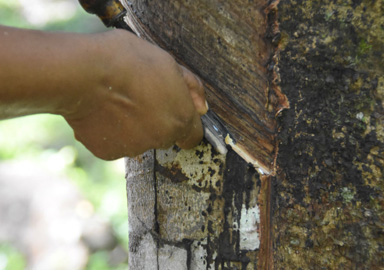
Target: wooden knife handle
{"x":109,"y":11}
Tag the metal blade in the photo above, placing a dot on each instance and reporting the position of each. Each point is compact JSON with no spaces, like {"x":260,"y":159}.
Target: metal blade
{"x":215,"y":131}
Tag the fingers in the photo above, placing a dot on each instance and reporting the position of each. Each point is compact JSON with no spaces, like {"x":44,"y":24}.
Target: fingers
{"x":196,"y":90}
{"x":195,"y":135}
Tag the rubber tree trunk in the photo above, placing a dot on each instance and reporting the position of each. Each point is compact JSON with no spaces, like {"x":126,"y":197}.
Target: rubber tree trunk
{"x":328,"y":204}
{"x":198,"y":209}
{"x":323,"y":209}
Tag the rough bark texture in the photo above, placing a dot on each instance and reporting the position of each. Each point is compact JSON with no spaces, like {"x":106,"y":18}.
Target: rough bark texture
{"x":194,"y":209}
{"x":203,"y":210}
{"x":141,"y":195}
{"x":328,"y":200}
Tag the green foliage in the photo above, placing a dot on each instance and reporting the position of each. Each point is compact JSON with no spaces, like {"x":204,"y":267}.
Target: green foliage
{"x":81,"y":22}
{"x":47,"y":139}
{"x":13,"y":13}
{"x":10,"y":14}
{"x":10,"y":258}
{"x":99,"y":261}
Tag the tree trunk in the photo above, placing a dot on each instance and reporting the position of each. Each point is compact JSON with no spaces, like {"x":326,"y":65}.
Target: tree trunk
{"x":194,"y":209}
{"x":328,"y":199}
{"x":323,"y":209}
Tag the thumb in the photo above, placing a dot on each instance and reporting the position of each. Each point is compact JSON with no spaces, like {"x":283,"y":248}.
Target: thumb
{"x":196,"y":90}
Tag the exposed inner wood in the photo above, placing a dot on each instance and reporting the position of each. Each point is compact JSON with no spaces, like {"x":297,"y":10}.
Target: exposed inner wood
{"x":225,"y":43}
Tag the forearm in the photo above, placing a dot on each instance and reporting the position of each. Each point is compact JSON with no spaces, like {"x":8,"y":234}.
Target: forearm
{"x":43,"y":72}
{"x":120,"y":94}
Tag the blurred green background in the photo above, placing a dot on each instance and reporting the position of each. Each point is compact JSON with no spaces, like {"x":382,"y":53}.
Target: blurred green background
{"x":49,"y":140}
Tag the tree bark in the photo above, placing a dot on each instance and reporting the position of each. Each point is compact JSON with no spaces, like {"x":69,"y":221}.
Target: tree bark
{"x":228,"y":44}
{"x":328,"y":199}
{"x":194,"y":209}
{"x":323,"y":209}
{"x":209,"y":211}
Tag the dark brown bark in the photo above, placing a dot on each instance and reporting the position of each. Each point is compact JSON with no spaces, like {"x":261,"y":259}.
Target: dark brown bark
{"x":328,"y":211}
{"x":324,"y":208}
{"x":226,"y":43}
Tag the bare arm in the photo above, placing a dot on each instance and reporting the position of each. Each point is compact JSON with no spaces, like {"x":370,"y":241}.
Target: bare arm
{"x":120,"y":94}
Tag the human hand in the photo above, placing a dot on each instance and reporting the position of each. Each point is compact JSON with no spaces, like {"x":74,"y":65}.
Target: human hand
{"x":137,"y":98}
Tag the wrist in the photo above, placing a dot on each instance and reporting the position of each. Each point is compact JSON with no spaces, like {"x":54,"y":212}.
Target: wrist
{"x":84,"y":74}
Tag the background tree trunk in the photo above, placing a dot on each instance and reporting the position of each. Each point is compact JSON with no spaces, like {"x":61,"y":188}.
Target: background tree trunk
{"x":328,"y":196}
{"x":198,"y":209}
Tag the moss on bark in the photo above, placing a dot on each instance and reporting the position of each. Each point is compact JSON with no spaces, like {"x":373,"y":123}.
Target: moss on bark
{"x":329,"y":200}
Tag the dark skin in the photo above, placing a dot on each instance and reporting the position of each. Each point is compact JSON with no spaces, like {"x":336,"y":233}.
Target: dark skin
{"x":121,"y":95}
